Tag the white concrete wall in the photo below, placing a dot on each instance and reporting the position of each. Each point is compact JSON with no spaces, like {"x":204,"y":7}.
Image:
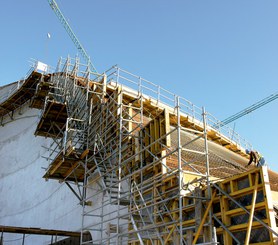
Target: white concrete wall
{"x":26,"y":199}
{"x":7,"y":90}
{"x":104,"y":212}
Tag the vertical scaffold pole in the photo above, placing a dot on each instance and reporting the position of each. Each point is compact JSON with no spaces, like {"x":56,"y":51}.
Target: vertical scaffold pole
{"x":207,"y":170}
{"x":86,"y":142}
{"x":120,"y":115}
{"x":180,"y":169}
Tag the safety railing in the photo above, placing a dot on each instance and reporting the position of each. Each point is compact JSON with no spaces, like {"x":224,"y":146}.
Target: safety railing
{"x":163,"y":97}
{"x":35,"y":66}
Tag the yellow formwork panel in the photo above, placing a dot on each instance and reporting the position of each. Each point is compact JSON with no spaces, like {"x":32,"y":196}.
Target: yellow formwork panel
{"x":235,"y":219}
{"x":154,"y":135}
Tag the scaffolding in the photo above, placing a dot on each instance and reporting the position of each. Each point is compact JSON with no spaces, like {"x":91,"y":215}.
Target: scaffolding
{"x":137,"y":158}
{"x":22,"y":91}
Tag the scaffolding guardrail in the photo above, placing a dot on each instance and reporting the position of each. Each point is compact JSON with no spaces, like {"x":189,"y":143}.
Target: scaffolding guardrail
{"x":164,"y":97}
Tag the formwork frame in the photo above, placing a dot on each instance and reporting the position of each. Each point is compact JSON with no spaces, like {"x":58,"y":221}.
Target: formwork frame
{"x":130,"y":157}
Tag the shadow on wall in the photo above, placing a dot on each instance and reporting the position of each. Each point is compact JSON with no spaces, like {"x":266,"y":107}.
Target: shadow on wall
{"x":74,"y":240}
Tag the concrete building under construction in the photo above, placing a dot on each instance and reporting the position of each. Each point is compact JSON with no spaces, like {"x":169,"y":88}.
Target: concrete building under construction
{"x":125,"y":162}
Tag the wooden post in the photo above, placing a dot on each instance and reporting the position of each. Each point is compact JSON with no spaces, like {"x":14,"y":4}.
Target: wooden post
{"x":189,"y":236}
{"x":169,"y":235}
{"x":198,"y":208}
{"x":248,"y":232}
{"x":204,"y":218}
{"x":268,"y":201}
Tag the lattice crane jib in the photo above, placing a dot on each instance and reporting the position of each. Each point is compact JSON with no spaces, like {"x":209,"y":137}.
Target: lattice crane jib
{"x":249,"y":109}
{"x":54,"y":6}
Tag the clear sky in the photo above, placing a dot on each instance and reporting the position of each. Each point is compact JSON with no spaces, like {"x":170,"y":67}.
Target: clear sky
{"x":222,"y":55}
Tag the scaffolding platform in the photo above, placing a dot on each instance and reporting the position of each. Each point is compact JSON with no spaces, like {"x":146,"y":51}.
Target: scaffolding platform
{"x":21,"y":95}
{"x":53,"y":120}
{"x":68,"y":165}
{"x":42,"y":90}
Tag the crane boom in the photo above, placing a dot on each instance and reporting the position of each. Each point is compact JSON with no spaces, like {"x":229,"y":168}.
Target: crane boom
{"x":53,"y":4}
{"x":248,"y":109}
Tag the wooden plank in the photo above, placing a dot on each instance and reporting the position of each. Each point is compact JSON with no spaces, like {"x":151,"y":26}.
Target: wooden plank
{"x":56,"y":167}
{"x":152,"y":136}
{"x":268,"y":200}
{"x":204,"y":218}
{"x":84,"y":154}
{"x":228,"y":214}
{"x":21,"y":95}
{"x":244,"y":226}
{"x":38,"y":231}
{"x":157,"y":145}
{"x":130,"y":119}
{"x":239,"y":210}
{"x":71,"y":169}
{"x":169,"y":235}
{"x":136,"y":147}
{"x":248,"y":232}
{"x":167,"y":128}
{"x":146,"y":134}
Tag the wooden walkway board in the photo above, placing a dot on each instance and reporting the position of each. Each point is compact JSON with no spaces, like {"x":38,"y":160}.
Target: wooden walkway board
{"x":68,"y":167}
{"x":53,"y":120}
{"x":22,"y":95}
{"x":38,"y":101}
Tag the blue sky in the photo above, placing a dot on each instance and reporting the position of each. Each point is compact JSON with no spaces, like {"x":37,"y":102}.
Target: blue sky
{"x":222,"y":55}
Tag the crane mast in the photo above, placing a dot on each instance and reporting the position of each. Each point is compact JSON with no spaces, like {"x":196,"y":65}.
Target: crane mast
{"x":53,"y":4}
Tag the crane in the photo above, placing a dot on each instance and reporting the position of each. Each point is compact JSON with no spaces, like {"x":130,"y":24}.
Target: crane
{"x":248,"y":110}
{"x":54,"y":6}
